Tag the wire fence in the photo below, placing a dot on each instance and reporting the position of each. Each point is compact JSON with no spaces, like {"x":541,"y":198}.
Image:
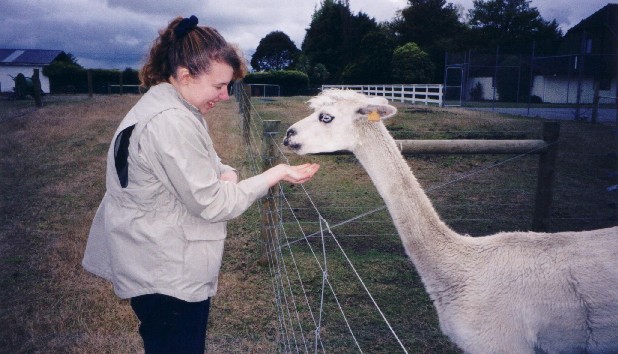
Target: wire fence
{"x":583,"y":81}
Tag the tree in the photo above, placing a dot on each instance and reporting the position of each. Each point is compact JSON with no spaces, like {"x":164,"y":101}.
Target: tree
{"x":334,"y":36}
{"x":63,"y":62}
{"x":411,"y":65}
{"x":373,"y":64}
{"x":319,"y":74}
{"x":512,"y":25}
{"x":434,"y":26}
{"x":426,"y":22}
{"x":276,"y":51}
{"x":476,"y":93}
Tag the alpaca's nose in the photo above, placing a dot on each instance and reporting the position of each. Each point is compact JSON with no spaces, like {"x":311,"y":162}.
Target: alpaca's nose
{"x":290,"y":133}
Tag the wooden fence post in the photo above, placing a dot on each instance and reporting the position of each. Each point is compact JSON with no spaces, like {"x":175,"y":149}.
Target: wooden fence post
{"x":546,"y":177}
{"x":245,"y":109}
{"x":120,"y":82}
{"x":36,"y":81}
{"x":89,"y":75}
{"x":270,"y":214}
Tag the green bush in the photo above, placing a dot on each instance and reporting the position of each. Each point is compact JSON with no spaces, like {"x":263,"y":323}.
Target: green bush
{"x":71,"y":79}
{"x":476,"y":93}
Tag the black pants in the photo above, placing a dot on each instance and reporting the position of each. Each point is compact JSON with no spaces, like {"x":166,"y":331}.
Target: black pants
{"x":169,"y":325}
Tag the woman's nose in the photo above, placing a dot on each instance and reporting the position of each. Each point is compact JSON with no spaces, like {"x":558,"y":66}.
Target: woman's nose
{"x":224,"y":95}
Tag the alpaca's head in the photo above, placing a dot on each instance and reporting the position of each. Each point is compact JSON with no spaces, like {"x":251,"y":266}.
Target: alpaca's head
{"x":337,"y":114}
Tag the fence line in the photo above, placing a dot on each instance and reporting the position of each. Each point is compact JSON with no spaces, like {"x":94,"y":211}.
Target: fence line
{"x":416,"y":93}
{"x":257,"y":88}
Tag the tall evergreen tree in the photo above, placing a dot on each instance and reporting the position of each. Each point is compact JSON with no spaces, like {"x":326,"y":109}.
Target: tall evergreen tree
{"x":373,"y":64}
{"x":334,"y":37}
{"x":434,"y":26}
{"x":276,"y":51}
{"x":513,"y":25}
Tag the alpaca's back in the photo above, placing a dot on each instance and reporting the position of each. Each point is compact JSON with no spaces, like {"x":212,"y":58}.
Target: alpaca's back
{"x":528,"y":291}
{"x":594,"y":276}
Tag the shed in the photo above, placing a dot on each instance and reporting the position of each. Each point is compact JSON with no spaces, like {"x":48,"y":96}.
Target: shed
{"x":15,"y":61}
{"x":588,"y":59}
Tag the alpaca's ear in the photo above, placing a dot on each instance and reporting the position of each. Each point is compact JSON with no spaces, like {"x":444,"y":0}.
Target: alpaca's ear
{"x":376,"y":112}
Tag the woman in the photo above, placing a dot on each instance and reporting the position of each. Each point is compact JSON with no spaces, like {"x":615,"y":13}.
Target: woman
{"x":158,"y":234}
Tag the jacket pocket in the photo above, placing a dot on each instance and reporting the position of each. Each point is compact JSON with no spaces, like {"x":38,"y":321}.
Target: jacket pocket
{"x":202,"y":255}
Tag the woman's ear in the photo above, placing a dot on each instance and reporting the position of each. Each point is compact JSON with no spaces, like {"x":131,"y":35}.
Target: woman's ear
{"x":183,"y":76}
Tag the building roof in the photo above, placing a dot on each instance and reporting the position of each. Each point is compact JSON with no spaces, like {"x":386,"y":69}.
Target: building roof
{"x":27,"y":57}
{"x":601,"y":27}
{"x":604,"y":18}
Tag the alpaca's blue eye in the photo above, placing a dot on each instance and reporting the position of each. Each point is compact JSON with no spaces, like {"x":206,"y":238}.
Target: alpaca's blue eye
{"x":325,"y":118}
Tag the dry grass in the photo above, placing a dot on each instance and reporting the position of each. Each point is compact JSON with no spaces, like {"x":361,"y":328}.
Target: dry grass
{"x":52,"y":164}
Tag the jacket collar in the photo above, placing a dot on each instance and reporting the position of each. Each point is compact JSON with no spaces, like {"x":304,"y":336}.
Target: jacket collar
{"x":169,"y":88}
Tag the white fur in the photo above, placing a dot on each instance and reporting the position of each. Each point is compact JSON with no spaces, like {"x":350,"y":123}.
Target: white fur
{"x":513,"y":292}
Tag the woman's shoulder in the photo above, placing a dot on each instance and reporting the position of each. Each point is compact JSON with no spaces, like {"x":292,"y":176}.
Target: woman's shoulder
{"x":159,"y":97}
{"x":160,"y":101}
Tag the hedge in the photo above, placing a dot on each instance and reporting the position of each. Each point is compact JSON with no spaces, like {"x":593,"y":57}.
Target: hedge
{"x":75,"y":80}
{"x":292,"y":82}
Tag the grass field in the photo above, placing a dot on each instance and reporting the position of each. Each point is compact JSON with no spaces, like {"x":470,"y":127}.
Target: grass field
{"x":52,"y":179}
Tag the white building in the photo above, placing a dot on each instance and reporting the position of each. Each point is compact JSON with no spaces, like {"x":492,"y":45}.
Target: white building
{"x":551,"y":89}
{"x":24,"y":61}
{"x":556,"y":89}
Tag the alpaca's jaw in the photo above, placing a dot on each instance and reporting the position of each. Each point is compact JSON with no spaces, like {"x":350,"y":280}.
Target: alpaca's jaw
{"x":303,"y":140}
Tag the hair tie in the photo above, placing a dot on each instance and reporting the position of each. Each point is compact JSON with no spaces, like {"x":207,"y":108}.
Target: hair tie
{"x":185,"y":26}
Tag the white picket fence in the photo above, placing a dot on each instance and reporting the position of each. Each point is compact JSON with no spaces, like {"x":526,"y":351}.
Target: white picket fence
{"x":417,"y":93}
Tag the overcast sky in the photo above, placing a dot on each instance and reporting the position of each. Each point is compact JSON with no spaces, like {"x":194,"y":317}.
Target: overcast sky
{"x":118,"y":33}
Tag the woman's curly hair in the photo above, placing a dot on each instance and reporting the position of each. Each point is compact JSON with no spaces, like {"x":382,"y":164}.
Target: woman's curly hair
{"x":194,"y":49}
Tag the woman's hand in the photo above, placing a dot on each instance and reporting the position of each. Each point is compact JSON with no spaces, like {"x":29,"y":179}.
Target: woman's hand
{"x":293,"y":174}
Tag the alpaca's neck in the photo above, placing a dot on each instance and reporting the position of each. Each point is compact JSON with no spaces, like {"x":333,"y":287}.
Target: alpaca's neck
{"x":425,"y":237}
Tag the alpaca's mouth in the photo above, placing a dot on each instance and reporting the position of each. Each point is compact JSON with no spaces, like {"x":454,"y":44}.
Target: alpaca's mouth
{"x":288,"y":143}
{"x":288,"y":140}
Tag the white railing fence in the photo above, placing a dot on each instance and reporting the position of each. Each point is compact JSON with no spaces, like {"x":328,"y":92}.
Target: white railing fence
{"x":417,"y":93}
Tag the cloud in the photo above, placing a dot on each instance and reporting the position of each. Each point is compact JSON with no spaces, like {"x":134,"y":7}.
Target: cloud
{"x":167,"y":9}
{"x":118,"y":33}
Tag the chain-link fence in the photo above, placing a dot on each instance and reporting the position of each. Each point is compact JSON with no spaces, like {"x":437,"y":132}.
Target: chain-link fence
{"x":584,"y":83}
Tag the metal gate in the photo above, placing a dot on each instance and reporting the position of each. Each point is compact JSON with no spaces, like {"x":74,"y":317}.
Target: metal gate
{"x":453,"y":85}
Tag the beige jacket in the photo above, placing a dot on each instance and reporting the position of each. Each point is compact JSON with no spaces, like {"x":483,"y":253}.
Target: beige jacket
{"x":164,"y":232}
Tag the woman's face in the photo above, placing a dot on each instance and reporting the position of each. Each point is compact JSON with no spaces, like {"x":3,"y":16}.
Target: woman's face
{"x":206,"y":89}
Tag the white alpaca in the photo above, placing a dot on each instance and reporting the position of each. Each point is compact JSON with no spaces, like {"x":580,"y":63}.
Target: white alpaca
{"x":513,"y":292}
